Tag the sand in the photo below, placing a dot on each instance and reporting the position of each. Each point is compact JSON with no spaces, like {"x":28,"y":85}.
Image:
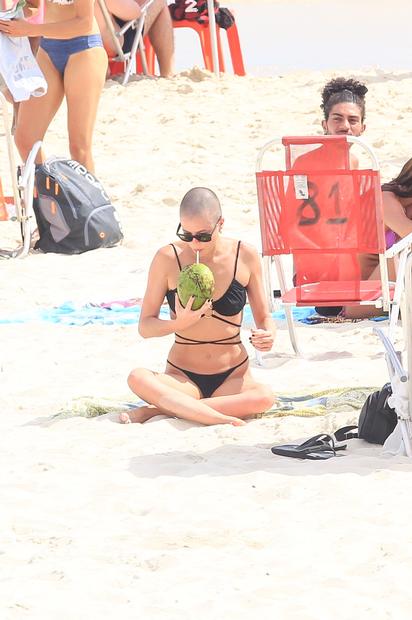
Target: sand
{"x":171,"y":520}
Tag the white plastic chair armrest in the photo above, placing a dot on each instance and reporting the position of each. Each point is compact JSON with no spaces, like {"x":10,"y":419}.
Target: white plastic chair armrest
{"x":28,"y":165}
{"x":146,"y":5}
{"x":399,"y":246}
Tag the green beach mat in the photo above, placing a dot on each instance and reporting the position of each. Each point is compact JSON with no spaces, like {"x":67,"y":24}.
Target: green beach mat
{"x":334,"y":400}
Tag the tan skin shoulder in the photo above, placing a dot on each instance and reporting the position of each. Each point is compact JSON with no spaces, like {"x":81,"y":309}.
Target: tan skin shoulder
{"x":397,"y":213}
{"x":162,"y":268}
{"x":249,"y":262}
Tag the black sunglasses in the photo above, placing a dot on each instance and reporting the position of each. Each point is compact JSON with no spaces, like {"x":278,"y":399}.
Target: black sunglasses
{"x":203,"y":237}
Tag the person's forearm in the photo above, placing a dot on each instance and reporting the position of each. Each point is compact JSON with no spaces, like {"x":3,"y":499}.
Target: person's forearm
{"x":76,"y":27}
{"x":153,"y":327}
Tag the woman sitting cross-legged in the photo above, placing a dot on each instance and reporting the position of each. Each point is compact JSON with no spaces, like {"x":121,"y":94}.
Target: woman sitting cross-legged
{"x":207,"y":377}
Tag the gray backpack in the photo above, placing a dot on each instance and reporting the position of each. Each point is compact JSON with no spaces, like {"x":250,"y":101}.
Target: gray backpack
{"x":73,"y":212}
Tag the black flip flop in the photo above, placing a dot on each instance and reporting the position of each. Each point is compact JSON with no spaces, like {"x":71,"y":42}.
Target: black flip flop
{"x":316,"y":448}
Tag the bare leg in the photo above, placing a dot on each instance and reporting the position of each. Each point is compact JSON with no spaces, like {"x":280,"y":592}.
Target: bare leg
{"x":158,"y":25}
{"x":141,"y":414}
{"x":36,"y":114}
{"x":84,"y":79}
{"x":370,"y":270}
{"x":173,"y":396}
{"x":238,"y":396}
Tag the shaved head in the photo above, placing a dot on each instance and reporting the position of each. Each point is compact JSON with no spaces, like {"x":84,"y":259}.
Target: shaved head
{"x":201,"y":202}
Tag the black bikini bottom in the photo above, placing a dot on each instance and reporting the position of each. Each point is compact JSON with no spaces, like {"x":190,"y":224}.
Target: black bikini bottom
{"x":208,"y":384}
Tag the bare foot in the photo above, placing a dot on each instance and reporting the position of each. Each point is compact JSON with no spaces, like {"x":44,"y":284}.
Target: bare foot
{"x":235,"y":421}
{"x":139,"y":415}
{"x":142,"y":414}
{"x":222,"y":418}
{"x":238,"y":422}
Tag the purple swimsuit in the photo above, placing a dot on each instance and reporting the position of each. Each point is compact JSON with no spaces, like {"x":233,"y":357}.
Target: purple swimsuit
{"x":391,"y":238}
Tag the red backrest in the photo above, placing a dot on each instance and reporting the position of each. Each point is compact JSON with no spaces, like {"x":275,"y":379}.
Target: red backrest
{"x":321,"y":211}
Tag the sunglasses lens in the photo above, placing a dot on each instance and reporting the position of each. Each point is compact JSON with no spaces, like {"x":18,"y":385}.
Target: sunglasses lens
{"x":185,"y":236}
{"x":203,"y":238}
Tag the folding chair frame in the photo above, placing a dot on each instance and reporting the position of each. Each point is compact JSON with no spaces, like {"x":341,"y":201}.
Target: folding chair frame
{"x":402,"y":250}
{"x":128,"y":58}
{"x":22,"y":187}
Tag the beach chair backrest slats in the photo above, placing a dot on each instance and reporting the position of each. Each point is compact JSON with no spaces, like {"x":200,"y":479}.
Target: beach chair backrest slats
{"x":338,"y":211}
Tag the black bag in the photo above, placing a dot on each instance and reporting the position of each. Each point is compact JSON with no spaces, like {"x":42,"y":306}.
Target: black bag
{"x":73,"y":212}
{"x":197,"y":10}
{"x":377,"y":420}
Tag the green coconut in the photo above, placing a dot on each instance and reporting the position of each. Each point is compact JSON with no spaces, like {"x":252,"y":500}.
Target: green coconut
{"x":196,"y":280}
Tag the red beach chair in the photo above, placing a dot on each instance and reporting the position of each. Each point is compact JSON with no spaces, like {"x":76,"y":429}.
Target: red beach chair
{"x":203,"y":32}
{"x":324,"y":214}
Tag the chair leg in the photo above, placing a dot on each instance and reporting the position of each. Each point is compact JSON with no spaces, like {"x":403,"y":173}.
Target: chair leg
{"x":219,"y":51}
{"x":399,"y":288}
{"x":203,"y":31}
{"x":267,"y":272}
{"x":406,"y":424}
{"x":142,"y":57}
{"x":235,"y":50}
{"x":292,"y":330}
{"x":206,"y":48}
{"x":3,"y":211}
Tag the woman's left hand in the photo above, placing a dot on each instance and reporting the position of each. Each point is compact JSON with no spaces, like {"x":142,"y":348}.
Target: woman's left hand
{"x":15,"y":27}
{"x":262,"y":339}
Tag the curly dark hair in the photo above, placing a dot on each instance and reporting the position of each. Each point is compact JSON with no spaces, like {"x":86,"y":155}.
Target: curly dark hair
{"x":401,"y":185}
{"x":342,"y":90}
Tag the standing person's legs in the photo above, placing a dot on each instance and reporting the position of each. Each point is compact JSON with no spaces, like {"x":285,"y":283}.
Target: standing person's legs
{"x":36,"y":114}
{"x":159,"y":27}
{"x":84,"y":79}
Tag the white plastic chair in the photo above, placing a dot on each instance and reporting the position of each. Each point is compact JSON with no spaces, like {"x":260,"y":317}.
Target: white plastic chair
{"x":349,"y":218}
{"x":128,"y":58}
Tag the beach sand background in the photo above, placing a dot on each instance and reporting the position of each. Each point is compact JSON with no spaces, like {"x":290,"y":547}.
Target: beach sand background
{"x":170,"y":520}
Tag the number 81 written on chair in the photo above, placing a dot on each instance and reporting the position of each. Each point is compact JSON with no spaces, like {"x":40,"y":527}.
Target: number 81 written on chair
{"x":309,"y":213}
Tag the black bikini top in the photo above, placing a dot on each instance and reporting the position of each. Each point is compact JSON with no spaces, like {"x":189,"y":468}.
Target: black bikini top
{"x":230,"y":303}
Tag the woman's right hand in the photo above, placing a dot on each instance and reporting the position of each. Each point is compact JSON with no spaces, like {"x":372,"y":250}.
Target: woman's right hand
{"x":16,"y":27}
{"x":185,"y":316}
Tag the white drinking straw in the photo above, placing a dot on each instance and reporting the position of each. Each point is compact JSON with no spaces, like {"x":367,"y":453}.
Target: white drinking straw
{"x":197,"y":256}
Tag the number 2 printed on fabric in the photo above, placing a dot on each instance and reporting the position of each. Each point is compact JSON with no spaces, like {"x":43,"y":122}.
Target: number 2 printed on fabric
{"x":191,"y":6}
